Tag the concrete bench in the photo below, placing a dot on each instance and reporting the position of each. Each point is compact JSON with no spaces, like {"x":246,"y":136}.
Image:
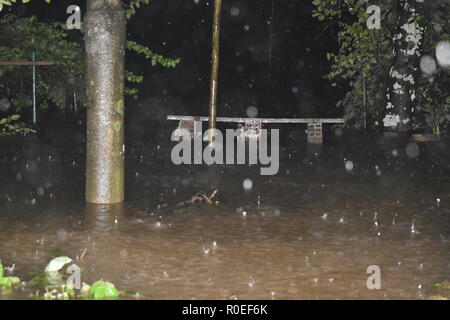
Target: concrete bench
{"x":252,"y":125}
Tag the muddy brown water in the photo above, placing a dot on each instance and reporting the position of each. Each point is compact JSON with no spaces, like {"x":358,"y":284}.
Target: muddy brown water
{"x":309,"y":232}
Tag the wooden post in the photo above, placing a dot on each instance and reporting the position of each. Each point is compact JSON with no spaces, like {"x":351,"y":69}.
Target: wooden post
{"x":214,"y":70}
{"x":105,"y":50}
{"x":315,"y":134}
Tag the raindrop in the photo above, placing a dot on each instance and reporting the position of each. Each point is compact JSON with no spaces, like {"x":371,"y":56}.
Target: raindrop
{"x":124,"y":253}
{"x":252,"y":111}
{"x":247,"y":184}
{"x":349,"y":165}
{"x":428,"y":65}
{"x":4,"y":104}
{"x":234,"y":11}
{"x":394,"y":220}
{"x":40,"y":191}
{"x":443,"y":54}
{"x":251,"y":282}
{"x":31,"y":166}
{"x":413,"y":228}
{"x":412,"y":150}
{"x":338,"y":131}
{"x":206,"y":250}
{"x":61,"y":235}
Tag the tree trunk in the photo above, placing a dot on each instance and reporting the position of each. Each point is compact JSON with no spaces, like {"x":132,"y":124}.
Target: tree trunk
{"x":401,"y":93}
{"x":105,"y":49}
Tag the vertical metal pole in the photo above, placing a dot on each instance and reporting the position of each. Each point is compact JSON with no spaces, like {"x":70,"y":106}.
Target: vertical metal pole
{"x":75,"y":100}
{"x":214,"y":70}
{"x":34,"y":88}
{"x":364,"y":87}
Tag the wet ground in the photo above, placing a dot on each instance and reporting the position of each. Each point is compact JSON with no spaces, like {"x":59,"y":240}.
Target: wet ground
{"x":309,"y":232}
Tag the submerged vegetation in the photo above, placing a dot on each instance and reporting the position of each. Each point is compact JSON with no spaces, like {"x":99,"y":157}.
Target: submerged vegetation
{"x":7,"y":283}
{"x":442,"y":291}
{"x":60,"y":281}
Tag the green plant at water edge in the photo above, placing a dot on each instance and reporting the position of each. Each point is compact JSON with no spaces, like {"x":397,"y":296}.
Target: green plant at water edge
{"x":442,"y":291}
{"x":103,"y":290}
{"x":7,"y":284}
{"x":52,"y":284}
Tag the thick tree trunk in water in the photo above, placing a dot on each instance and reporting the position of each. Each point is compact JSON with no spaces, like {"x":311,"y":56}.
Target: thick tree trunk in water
{"x":105,"y":48}
{"x":401,"y":93}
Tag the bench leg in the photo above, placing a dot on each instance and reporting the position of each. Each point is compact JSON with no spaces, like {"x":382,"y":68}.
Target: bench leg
{"x":315,"y":134}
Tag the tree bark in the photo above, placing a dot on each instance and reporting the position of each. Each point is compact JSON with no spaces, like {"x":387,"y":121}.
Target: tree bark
{"x":401,"y":93}
{"x":105,"y":25}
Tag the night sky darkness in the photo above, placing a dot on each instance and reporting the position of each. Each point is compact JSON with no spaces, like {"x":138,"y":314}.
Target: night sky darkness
{"x":272,"y":56}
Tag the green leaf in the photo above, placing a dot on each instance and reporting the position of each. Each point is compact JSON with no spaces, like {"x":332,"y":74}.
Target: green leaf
{"x":103,"y":290}
{"x":57,"y":264}
{"x":9,"y":282}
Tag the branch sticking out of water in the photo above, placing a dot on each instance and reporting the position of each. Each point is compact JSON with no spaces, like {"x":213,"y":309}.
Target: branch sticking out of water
{"x":201,"y":197}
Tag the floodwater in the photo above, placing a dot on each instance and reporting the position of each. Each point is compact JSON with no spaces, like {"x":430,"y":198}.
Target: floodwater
{"x":309,"y":232}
